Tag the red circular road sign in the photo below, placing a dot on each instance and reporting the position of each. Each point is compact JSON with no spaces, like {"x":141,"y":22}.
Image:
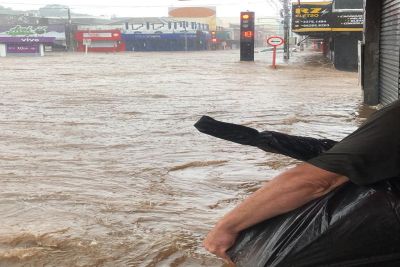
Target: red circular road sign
{"x":275,"y":41}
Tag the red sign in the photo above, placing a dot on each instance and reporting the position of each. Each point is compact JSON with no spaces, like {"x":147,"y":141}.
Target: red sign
{"x":98,"y":35}
{"x":275,"y":41}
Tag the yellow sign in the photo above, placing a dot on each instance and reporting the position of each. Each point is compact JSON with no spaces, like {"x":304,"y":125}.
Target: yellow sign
{"x":319,"y":17}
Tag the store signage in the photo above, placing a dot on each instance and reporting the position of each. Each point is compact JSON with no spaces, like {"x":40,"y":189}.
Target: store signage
{"x":171,"y":36}
{"x":319,"y":17}
{"x":97,"y":35}
{"x":15,"y":48}
{"x":56,"y":30}
{"x":311,"y":16}
{"x":27,"y":30}
{"x":348,"y":19}
{"x":27,"y":39}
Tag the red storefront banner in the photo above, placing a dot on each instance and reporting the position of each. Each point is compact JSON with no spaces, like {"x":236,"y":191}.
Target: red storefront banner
{"x":99,"y":41}
{"x":98,"y":35}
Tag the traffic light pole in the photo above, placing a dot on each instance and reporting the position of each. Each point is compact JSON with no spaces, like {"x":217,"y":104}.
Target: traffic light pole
{"x":247,"y":26}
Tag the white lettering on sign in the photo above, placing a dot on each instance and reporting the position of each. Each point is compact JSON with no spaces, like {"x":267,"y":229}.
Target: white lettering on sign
{"x":30,"y":40}
{"x":97,"y":34}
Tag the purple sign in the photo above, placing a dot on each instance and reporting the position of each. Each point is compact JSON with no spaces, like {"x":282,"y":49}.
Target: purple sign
{"x":28,"y":48}
{"x":27,"y":40}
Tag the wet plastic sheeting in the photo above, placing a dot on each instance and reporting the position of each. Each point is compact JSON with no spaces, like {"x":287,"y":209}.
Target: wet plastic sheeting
{"x":298,"y":147}
{"x":350,"y":226}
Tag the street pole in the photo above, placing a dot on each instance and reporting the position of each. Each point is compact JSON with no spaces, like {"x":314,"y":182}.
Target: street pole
{"x":186,"y":41}
{"x":286,"y":28}
{"x":69,"y":41}
{"x":274,"y":58}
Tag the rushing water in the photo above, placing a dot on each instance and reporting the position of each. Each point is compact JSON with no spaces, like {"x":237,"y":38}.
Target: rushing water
{"x":100,"y":164}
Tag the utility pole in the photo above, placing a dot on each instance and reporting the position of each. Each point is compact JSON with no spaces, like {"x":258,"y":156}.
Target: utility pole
{"x":186,"y":40}
{"x":69,"y":31}
{"x":286,"y":29}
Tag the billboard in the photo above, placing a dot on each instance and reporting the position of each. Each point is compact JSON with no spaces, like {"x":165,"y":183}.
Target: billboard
{"x":319,"y":17}
{"x":54,"y":31}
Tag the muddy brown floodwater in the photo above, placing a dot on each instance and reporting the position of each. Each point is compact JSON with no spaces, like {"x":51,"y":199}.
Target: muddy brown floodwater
{"x":100,"y":164}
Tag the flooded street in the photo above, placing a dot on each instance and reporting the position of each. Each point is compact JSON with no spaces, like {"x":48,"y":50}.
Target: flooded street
{"x":100,"y":164}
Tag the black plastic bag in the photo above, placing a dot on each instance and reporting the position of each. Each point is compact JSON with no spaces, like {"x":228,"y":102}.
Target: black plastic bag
{"x":350,"y":226}
{"x":297,"y":147}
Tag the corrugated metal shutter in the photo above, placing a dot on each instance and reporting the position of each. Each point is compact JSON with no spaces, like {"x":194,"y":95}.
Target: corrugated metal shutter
{"x":389,"y":68}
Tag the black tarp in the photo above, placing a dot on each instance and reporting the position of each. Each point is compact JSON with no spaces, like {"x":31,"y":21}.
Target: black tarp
{"x":351,"y":226}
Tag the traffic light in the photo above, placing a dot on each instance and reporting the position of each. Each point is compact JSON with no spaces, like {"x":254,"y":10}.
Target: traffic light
{"x":214,"y":37}
{"x":247,"y":36}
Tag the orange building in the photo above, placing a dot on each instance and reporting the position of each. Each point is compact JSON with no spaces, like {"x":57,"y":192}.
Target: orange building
{"x":204,"y":15}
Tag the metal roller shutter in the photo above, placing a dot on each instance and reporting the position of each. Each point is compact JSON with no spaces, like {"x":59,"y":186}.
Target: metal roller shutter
{"x":389,"y":66}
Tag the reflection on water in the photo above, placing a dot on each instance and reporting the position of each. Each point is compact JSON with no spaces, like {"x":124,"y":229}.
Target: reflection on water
{"x":100,"y":164}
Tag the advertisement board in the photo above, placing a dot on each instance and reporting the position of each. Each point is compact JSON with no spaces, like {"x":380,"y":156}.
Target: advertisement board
{"x":54,"y":31}
{"x":319,"y":17}
{"x":311,"y":16}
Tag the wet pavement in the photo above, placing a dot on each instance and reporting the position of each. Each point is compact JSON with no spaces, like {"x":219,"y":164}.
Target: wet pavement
{"x":100,"y":164}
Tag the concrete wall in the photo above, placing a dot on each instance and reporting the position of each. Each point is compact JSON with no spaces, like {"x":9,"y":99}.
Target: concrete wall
{"x":3,"y":50}
{"x":372,"y":23}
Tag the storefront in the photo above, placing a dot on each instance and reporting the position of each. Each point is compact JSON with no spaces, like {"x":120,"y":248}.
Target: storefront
{"x":99,"y":41}
{"x":337,"y":25}
{"x":57,"y":32}
{"x":24,"y":45}
{"x":381,"y":52}
{"x":166,"y":41}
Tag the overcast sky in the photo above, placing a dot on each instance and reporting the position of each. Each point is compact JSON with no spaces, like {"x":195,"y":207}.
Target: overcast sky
{"x":138,"y":8}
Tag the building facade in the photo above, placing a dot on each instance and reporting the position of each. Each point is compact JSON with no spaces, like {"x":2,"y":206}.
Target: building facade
{"x":99,"y":40}
{"x":22,"y":46}
{"x":31,"y":39}
{"x":163,"y":34}
{"x":380,"y":60}
{"x":339,"y":24}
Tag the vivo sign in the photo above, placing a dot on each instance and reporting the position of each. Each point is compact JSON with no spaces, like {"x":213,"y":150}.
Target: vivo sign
{"x":29,"y":40}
